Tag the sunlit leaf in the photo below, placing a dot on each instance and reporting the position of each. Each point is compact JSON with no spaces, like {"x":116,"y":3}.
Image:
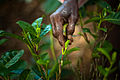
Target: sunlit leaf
{"x":46,"y":30}
{"x":37,"y":23}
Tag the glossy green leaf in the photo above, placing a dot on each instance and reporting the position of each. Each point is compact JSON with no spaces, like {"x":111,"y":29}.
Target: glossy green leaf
{"x":114,"y":55}
{"x":3,"y":33}
{"x":105,"y":53}
{"x":72,"y":50}
{"x":92,"y":20}
{"x":66,"y":44}
{"x":2,"y":41}
{"x":26,"y":27}
{"x":11,"y":57}
{"x":113,"y":18}
{"x":46,"y":30}
{"x":103,"y":29}
{"x":102,"y":70}
{"x":37,"y":23}
{"x":25,"y":74}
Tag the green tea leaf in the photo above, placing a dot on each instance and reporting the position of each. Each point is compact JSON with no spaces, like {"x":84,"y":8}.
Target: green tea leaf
{"x":113,"y":18}
{"x":53,"y":70}
{"x":44,"y":62}
{"x":3,"y":33}
{"x":114,"y":55}
{"x":66,"y":44}
{"x":113,"y":70}
{"x":3,"y":70}
{"x":20,"y":64}
{"x":37,"y":23}
{"x":95,"y":55}
{"x":11,"y":57}
{"x":46,"y":30}
{"x":107,"y":46}
{"x":105,"y":53}
{"x":86,"y":30}
{"x":25,"y":74}
{"x":50,"y":8}
{"x":104,"y":4}
{"x":2,"y":41}
{"x":92,"y":20}
{"x":102,"y":70}
{"x":26,"y":27}
{"x":72,"y":50}
{"x":103,"y":29}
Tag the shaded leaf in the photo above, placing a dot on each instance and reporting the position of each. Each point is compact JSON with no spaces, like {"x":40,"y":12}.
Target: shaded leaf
{"x":11,"y":57}
{"x":71,"y":50}
{"x":95,"y":55}
{"x":107,"y":46}
{"x":50,"y":8}
{"x":113,"y":70}
{"x":92,"y":20}
{"x":104,"y":4}
{"x":3,"y":33}
{"x":20,"y":64}
{"x":113,"y":18}
{"x":103,"y":29}
{"x":102,"y":70}
{"x":105,"y":53}
{"x":26,"y":27}
{"x":114,"y":55}
{"x":86,"y":30}
{"x":53,"y":70}
{"x":3,"y":70}
{"x":2,"y":41}
{"x":24,"y":75}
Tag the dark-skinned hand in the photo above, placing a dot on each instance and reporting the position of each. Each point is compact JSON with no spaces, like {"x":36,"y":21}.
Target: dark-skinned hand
{"x":66,"y":13}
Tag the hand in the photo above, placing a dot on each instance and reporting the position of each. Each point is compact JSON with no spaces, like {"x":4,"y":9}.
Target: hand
{"x":66,"y":13}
